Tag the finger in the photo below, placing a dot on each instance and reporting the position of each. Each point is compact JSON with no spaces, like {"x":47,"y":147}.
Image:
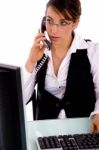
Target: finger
{"x":97,"y":129}
{"x":92,"y":128}
{"x":42,"y":46}
{"x":39,"y":36}
{"x":38,"y":30}
{"x":40,"y":40}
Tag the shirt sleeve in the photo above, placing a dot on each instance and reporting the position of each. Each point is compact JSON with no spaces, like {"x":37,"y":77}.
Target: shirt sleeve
{"x":95,"y":71}
{"x":28,"y":83}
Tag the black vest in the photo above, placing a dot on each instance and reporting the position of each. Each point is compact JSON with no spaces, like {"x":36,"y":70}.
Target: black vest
{"x":79,"y":97}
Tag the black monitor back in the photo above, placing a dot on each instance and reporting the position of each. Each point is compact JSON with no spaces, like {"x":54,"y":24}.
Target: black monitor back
{"x":12,"y":121}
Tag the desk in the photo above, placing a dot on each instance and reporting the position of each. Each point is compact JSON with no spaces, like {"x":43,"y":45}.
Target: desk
{"x":55,"y":127}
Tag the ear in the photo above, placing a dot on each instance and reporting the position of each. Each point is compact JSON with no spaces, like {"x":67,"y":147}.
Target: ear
{"x":75,"y":24}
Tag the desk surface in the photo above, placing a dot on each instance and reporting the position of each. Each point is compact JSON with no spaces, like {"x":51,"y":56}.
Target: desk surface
{"x":55,"y":127}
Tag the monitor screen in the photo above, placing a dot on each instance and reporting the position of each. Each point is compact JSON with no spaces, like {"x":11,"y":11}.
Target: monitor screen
{"x":12,"y":118}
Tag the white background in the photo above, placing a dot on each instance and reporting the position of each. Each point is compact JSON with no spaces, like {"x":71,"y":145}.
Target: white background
{"x":20,"y":20}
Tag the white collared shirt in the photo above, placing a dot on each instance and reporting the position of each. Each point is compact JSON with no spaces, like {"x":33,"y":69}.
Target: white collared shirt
{"x":56,"y":85}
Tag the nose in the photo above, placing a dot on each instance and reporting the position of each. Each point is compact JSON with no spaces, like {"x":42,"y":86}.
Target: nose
{"x":54,"y":28}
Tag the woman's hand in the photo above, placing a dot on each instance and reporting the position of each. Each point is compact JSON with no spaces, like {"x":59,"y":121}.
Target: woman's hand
{"x":95,"y":123}
{"x":36,"y":52}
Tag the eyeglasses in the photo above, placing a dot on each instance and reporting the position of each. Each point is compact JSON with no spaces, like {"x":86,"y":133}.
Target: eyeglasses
{"x":63,"y":23}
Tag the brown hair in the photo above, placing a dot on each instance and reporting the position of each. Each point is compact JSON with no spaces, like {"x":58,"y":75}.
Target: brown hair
{"x":70,"y":9}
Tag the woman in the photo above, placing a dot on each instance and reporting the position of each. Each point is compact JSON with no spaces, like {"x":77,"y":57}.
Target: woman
{"x":68,"y":80}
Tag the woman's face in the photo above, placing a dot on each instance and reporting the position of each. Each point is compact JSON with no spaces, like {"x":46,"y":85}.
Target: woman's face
{"x":58,"y":28}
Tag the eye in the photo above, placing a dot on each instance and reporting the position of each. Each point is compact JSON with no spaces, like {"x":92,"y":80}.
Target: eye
{"x":64,"y":23}
{"x":49,"y":20}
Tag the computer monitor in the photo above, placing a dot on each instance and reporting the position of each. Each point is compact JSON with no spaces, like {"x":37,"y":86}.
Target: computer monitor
{"x":12,"y":117}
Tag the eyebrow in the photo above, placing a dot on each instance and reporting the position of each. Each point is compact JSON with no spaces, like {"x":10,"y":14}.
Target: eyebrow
{"x":49,"y":17}
{"x":59,"y":19}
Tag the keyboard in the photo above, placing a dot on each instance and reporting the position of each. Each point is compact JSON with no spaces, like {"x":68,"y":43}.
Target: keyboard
{"x":86,"y":141}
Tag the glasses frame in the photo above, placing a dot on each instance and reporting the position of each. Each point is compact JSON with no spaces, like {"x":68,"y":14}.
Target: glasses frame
{"x":49,"y":22}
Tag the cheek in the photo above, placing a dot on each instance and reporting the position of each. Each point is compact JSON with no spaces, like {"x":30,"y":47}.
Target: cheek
{"x":67,"y":31}
{"x":66,"y":35}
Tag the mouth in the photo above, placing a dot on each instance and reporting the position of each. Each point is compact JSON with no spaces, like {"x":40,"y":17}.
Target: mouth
{"x":54,"y":38}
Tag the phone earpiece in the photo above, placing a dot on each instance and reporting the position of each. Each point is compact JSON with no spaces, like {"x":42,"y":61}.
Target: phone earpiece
{"x":43,"y":28}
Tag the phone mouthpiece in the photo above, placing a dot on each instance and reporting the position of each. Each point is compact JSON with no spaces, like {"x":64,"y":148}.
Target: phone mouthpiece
{"x":47,"y":44}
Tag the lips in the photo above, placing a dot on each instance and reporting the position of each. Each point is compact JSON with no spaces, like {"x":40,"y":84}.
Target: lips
{"x":54,"y":38}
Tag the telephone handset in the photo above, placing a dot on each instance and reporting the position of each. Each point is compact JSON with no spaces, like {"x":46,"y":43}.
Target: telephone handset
{"x":43,"y":28}
{"x":48,"y":45}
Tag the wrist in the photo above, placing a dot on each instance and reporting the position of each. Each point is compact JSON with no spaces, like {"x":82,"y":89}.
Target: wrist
{"x":30,"y":66}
